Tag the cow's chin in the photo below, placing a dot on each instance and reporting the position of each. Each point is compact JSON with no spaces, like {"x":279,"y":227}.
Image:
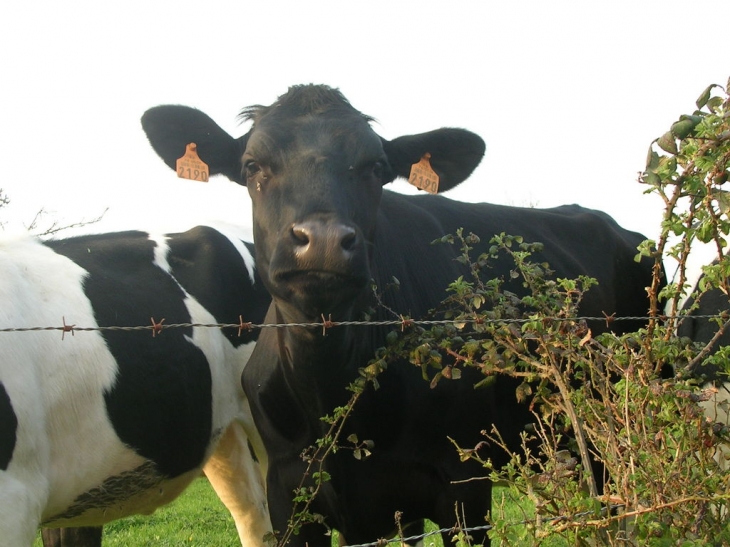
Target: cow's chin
{"x":317,"y":293}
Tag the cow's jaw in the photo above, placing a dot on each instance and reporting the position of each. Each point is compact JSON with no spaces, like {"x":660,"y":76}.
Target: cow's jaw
{"x":318,"y":294}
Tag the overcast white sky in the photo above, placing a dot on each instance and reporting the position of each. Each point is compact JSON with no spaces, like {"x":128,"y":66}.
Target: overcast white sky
{"x":567,"y":95}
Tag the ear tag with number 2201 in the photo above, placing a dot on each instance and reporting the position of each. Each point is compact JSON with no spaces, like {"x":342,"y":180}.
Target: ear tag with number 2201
{"x":423,"y":176}
{"x":190,"y":166}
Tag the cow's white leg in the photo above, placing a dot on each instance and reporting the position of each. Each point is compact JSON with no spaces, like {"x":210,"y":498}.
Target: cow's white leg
{"x":239,"y":483}
{"x":19,"y":513}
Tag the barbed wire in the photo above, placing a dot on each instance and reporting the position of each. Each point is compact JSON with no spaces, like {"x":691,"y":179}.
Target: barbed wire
{"x":404,"y":322}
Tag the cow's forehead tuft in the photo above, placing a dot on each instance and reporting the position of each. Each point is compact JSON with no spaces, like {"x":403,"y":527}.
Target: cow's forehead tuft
{"x":303,"y":100}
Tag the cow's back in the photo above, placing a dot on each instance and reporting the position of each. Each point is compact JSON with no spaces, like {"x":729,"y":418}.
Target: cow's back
{"x":577,"y":241}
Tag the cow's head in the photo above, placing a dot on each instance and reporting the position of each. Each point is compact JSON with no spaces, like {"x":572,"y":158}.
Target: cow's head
{"x":314,"y":169}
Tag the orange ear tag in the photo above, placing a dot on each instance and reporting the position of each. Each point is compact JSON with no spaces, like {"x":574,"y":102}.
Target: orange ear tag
{"x":423,"y":176}
{"x":190,"y":166}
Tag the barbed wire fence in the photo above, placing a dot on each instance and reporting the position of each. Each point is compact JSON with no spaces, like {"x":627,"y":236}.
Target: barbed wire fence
{"x":157,"y":327}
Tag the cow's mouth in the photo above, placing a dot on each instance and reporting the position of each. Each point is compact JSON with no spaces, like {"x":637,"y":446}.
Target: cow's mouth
{"x":324,"y":290}
{"x":313,"y":292}
{"x":319,"y":280}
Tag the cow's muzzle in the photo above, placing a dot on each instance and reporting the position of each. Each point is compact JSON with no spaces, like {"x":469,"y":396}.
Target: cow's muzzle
{"x":320,"y":263}
{"x":325,"y":246}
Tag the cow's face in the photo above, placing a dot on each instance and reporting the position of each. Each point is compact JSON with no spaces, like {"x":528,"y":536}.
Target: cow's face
{"x":314,"y":169}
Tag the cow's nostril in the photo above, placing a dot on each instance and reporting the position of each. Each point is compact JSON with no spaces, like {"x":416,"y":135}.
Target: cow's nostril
{"x":301,"y":234}
{"x":349,"y":239}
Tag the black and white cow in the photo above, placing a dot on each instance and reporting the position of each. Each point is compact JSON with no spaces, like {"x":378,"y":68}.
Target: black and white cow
{"x":99,"y":425}
{"x":323,"y":228}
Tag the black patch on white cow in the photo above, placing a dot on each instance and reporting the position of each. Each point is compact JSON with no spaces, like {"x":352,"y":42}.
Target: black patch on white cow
{"x":160,"y":404}
{"x":208,"y":266}
{"x":8,"y":428}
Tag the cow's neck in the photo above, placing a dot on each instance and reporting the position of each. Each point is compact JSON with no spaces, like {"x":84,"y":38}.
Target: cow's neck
{"x":307,"y":352}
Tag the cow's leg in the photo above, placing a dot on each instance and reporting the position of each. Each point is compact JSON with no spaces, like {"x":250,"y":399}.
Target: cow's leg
{"x":237,"y":479}
{"x":19,"y":512}
{"x":475,"y":502}
{"x":88,"y":536}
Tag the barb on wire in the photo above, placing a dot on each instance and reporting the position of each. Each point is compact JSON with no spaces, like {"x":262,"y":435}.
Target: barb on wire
{"x":66,"y":328}
{"x":156,"y":327}
{"x":241,"y":325}
{"x":609,"y":319}
{"x":405,"y":323}
{"x":327,"y":324}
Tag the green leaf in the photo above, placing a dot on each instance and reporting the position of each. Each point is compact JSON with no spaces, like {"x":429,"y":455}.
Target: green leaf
{"x":705,"y":232}
{"x":652,"y":160}
{"x":321,"y":476}
{"x":522,"y":392}
{"x":667,"y":143}
{"x":682,"y":128}
{"x":650,"y":177}
{"x":436,"y":379}
{"x":486,"y":382}
{"x":694,"y":118}
{"x":714,"y":104}
{"x":723,"y":200}
{"x":702,"y":99}
{"x":471,"y":347}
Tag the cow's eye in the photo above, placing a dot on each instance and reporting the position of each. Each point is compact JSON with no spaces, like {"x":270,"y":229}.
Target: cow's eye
{"x":251,"y":168}
{"x":378,"y":170}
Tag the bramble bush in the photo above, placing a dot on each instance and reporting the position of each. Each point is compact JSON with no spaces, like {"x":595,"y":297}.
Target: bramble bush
{"x":658,"y":448}
{"x":599,"y":399}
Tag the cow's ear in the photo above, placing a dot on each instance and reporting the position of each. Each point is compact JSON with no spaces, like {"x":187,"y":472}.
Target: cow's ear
{"x":455,"y":153}
{"x":170,"y":128}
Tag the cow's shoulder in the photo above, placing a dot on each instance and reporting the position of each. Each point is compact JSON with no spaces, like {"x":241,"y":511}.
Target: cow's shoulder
{"x":216,"y":266}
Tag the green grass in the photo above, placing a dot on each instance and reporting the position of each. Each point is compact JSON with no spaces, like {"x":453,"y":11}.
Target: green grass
{"x":198,"y":518}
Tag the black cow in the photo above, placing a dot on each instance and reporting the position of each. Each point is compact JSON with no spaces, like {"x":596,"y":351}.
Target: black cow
{"x":323,"y":228}
{"x":95,"y":426}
